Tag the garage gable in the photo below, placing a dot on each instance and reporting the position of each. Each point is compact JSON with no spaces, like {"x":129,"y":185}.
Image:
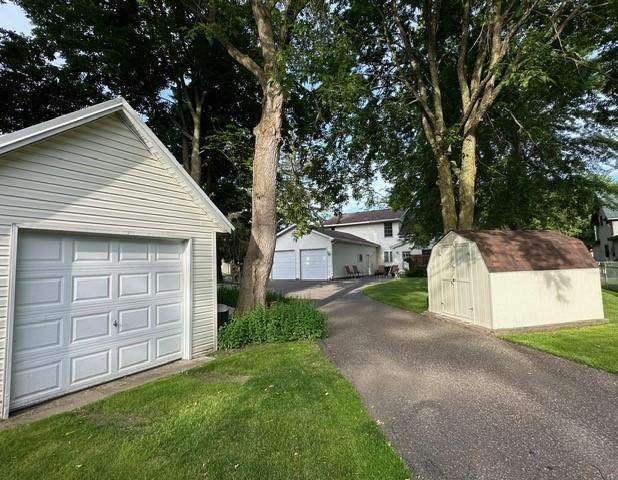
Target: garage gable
{"x":119,"y":141}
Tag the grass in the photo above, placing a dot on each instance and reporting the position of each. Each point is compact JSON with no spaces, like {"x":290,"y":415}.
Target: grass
{"x":408,"y":293}
{"x":277,"y":411}
{"x":593,"y":346}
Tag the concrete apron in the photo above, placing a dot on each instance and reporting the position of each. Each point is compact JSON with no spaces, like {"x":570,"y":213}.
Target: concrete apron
{"x":79,"y":399}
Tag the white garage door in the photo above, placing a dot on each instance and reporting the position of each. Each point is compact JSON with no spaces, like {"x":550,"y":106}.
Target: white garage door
{"x":284,"y":265}
{"x":89,"y":308}
{"x":314,"y":264}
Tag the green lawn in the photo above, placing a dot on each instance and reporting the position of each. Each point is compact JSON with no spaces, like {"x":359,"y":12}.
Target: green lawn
{"x":273,"y":411}
{"x":407,"y":293}
{"x":594,"y":346}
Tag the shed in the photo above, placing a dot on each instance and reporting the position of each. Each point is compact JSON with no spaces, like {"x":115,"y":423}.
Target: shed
{"x":509,"y":279}
{"x":107,"y":255}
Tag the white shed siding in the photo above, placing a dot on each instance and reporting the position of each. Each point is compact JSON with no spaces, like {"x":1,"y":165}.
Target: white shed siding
{"x":101,"y":178}
{"x":347,"y":254}
{"x":533,"y":298}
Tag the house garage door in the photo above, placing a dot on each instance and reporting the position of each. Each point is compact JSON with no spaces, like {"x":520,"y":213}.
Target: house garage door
{"x":314,"y":264}
{"x":91,"y":308}
{"x":284,"y":265}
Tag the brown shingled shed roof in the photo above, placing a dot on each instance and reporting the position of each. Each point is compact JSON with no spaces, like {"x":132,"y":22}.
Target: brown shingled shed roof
{"x":526,"y":250}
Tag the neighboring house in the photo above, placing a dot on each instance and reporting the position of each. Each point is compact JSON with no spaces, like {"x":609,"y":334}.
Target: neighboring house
{"x":107,"y":255}
{"x":505,"y":279}
{"x":605,"y":225}
{"x":364,"y":239}
{"x":381,"y":227}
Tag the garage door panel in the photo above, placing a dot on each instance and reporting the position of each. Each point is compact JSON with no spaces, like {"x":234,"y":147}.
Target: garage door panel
{"x":131,"y":284}
{"x":314,"y":264}
{"x":284,"y":265}
{"x":90,"y":366}
{"x":132,"y":355}
{"x":132,"y":251}
{"x":36,"y":292}
{"x":38,"y":335}
{"x":167,"y":314}
{"x":168,"y":346}
{"x":168,"y":282}
{"x":91,"y":287}
{"x":88,"y":327}
{"x":92,"y":250}
{"x":36,"y":381}
{"x":133,"y":319}
{"x":113,"y":307}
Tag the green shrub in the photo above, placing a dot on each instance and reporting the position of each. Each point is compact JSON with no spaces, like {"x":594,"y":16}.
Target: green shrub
{"x":416,"y":272}
{"x":228,"y":295}
{"x":287,"y":320}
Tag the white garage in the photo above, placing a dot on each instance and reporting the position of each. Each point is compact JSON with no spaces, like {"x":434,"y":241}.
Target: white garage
{"x":506,"y":279}
{"x":322,"y":254}
{"x":107,"y":255}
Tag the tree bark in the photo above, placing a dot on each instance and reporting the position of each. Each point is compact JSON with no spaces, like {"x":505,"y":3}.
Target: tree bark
{"x":196,"y":160}
{"x":261,"y":248}
{"x":467,"y":180}
{"x":447,"y":195}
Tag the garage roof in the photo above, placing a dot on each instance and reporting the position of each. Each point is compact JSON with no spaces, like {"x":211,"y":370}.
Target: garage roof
{"x":344,"y":237}
{"x":527,"y":250}
{"x":41,"y":131}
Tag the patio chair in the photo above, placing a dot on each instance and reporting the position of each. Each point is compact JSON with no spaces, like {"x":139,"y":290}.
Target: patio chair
{"x":348,"y":272}
{"x":356,"y":271}
{"x":395,"y":272}
{"x":380,"y":271}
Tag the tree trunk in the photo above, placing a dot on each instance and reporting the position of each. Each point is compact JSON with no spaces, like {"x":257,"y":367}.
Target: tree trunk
{"x":261,"y":248}
{"x":467,"y":180}
{"x":447,"y":196}
{"x":186,"y":160}
{"x":196,"y":161}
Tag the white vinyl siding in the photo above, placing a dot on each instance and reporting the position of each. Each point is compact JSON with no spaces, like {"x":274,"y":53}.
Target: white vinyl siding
{"x":102,"y":178}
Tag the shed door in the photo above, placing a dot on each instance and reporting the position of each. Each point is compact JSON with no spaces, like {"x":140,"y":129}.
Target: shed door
{"x":447,"y":265}
{"x":463,"y":281}
{"x":92,"y":308}
{"x":314,"y":264}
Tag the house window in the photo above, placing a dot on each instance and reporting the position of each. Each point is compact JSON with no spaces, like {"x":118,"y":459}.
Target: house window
{"x":388,"y":229}
{"x":606,"y":251}
{"x":360,"y":257}
{"x":388,"y":257}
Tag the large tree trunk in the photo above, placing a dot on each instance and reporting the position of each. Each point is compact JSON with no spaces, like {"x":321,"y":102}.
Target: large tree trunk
{"x":447,"y":196}
{"x":259,"y":256}
{"x":467,"y":180}
{"x":196,"y":160}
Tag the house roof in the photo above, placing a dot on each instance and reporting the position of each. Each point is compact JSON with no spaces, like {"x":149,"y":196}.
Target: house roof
{"x":528,"y":250}
{"x":344,"y":237}
{"x":610,"y":207}
{"x":41,"y":131}
{"x":369,"y":216}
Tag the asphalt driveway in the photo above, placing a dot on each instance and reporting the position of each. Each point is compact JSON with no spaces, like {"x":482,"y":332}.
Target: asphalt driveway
{"x":459,"y":404}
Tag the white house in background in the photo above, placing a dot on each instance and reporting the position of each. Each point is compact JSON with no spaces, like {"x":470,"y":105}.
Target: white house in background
{"x":605,"y":226}
{"x":107,"y":255}
{"x":381,"y":227}
{"x":365,"y":239}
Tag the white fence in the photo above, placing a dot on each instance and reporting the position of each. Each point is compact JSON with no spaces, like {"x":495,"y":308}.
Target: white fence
{"x":609,"y":275}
